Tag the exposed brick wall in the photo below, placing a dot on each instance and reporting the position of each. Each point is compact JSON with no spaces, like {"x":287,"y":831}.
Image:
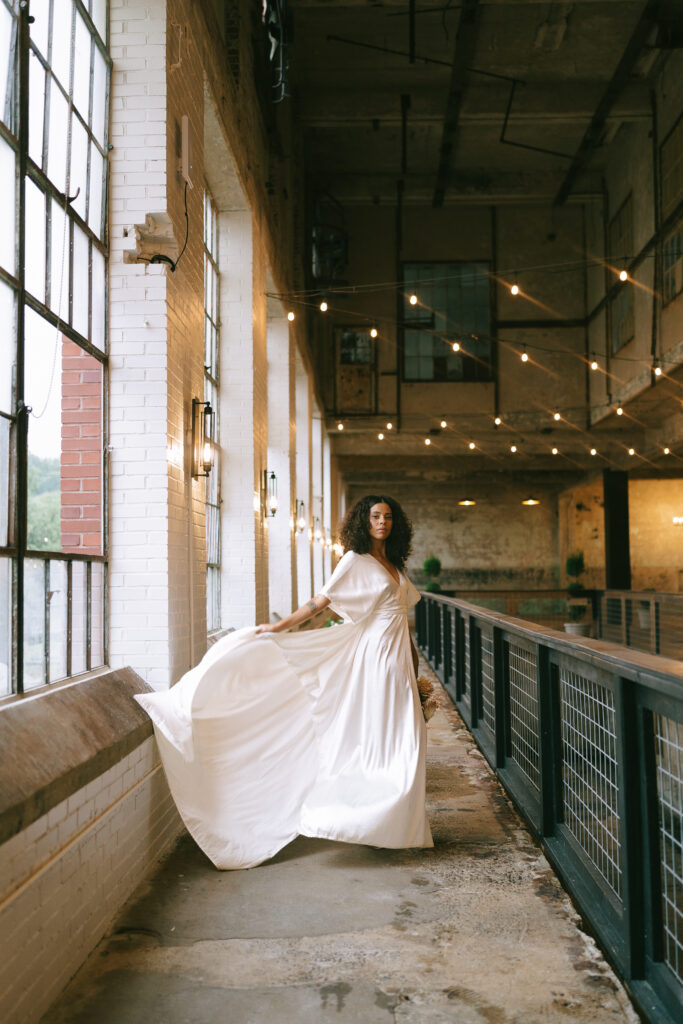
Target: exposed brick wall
{"x":81,"y":456}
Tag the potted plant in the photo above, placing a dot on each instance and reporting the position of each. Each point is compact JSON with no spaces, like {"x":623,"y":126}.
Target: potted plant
{"x":431,"y":567}
{"x":577,"y":604}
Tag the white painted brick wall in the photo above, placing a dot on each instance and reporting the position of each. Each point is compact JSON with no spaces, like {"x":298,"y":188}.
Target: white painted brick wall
{"x":281,"y":454}
{"x":65,"y":877}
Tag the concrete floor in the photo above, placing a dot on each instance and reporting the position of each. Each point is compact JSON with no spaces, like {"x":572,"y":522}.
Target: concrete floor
{"x":477,"y":931}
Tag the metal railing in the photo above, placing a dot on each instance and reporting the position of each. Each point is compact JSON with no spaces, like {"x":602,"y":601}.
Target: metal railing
{"x":588,"y":741}
{"x":644,"y":620}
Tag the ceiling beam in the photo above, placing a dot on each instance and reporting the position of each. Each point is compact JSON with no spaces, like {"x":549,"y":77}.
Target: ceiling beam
{"x":593,"y":135}
{"x":465,"y":40}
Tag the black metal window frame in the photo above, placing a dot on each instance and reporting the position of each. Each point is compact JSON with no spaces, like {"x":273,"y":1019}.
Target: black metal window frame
{"x":15,"y":131}
{"x":436,"y":332}
{"x":212,"y":334}
{"x":621,"y":306}
{"x":606,"y":801}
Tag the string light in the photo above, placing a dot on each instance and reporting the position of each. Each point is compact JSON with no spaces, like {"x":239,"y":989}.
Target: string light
{"x":443,"y":424}
{"x":623,"y":275}
{"x":323,"y":307}
{"x":667,"y":451}
{"x":413,"y":300}
{"x":557,"y":417}
{"x":524,"y":357}
{"x":290,"y":316}
{"x":456,"y":346}
{"x":497,"y":421}
{"x":427,"y":441}
{"x":594,"y":363}
{"x":514,"y":290}
{"x":620,"y":411}
{"x":380,"y":437}
{"x":340,"y":426}
{"x":594,"y":451}
{"x":513,"y":448}
{"x":373,"y":332}
{"x":657,"y":370}
{"x":632,"y":451}
{"x":390,"y":426}
{"x":472,"y":446}
{"x":554,"y":451}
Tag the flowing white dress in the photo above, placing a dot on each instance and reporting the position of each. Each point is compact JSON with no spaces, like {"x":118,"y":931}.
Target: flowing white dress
{"x":316,"y":733}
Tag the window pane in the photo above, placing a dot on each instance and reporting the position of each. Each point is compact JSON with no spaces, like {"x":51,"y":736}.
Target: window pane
{"x":4,"y":481}
{"x":98,"y":299}
{"x":34,"y":623}
{"x":57,"y":137}
{"x":7,"y":200}
{"x":35,"y":240}
{"x":59,"y":262}
{"x":78,"y":617}
{"x":58,"y":603}
{"x":97,"y":615}
{"x":98,"y":13}
{"x":96,"y":190}
{"x":61,"y":40}
{"x":79,"y":287}
{"x":78,"y":182}
{"x":81,"y":92}
{"x":5,"y":626}
{"x":99,"y":98}
{"x":36,"y":110}
{"x":8,"y":346}
{"x":40,"y":12}
{"x":64,"y":388}
{"x":7,"y":57}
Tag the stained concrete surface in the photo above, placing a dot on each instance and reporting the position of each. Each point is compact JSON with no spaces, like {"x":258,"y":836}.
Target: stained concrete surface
{"x":476,"y":931}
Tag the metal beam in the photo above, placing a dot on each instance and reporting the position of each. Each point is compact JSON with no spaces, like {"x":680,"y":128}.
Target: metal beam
{"x":465,"y":40}
{"x":591,"y":139}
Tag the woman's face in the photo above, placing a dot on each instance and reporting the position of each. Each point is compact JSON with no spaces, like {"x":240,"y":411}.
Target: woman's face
{"x":380,"y":521}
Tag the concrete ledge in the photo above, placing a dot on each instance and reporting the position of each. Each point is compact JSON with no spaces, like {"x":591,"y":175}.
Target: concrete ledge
{"x":55,"y":743}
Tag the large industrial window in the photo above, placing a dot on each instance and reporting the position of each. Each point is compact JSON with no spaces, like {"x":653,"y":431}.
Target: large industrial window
{"x":620,"y":255}
{"x":54,"y":83}
{"x":672,"y":194}
{"x":453,"y":305}
{"x":211,"y":384}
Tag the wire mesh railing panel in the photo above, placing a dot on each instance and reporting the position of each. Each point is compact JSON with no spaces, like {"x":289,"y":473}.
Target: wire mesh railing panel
{"x":669,"y":760}
{"x":643,"y":621}
{"x":488,"y":700}
{"x":589,"y":772}
{"x":524,"y":726}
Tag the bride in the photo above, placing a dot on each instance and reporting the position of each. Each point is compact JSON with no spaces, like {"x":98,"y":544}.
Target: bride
{"x":315,"y":733}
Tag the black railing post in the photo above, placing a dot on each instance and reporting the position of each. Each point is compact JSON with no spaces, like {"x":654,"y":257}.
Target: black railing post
{"x":447,"y":645}
{"x":550,"y":745}
{"x":500,"y":693}
{"x":460,"y":682}
{"x":475,"y":672}
{"x":629,"y":765}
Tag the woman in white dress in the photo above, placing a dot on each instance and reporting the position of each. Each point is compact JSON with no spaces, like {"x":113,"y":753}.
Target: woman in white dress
{"x":316,"y":733}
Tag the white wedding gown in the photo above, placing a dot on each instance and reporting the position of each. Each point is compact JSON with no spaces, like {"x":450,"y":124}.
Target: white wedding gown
{"x":316,"y":733}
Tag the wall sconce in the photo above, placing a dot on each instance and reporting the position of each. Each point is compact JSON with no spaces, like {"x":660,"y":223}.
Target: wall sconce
{"x":269,"y":493}
{"x":202,"y":433}
{"x":317,"y":533}
{"x":300,"y":516}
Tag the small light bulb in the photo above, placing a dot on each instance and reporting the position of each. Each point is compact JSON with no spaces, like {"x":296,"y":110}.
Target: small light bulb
{"x":443,"y":424}
{"x":290,"y":316}
{"x":515,"y":289}
{"x":323,"y":307}
{"x":620,"y":411}
{"x":472,"y":446}
{"x":413,"y":300}
{"x":373,"y":332}
{"x":594,"y":451}
{"x":340,"y":426}
{"x":667,"y":451}
{"x":524,"y":357}
{"x":658,"y":371}
{"x":390,"y":426}
{"x":513,"y":448}
{"x":554,"y":451}
{"x":632,"y":451}
{"x":427,"y":441}
{"x":557,"y":417}
{"x":623,"y":276}
{"x":456,"y":346}
{"x":594,"y":364}
{"x":498,"y":421}
{"x":380,"y":437}
{"x":206,"y":454}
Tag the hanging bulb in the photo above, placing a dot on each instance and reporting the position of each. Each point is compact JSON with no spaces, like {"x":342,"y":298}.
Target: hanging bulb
{"x":667,"y":451}
{"x":340,"y":426}
{"x":623,"y":275}
{"x":620,"y":411}
{"x":373,"y":332}
{"x":472,"y":446}
{"x":427,"y":441}
{"x":515,"y":289}
{"x":513,"y":448}
{"x":498,"y":421}
{"x":390,"y":426}
{"x":290,"y":316}
{"x":554,"y":451}
{"x":657,"y":370}
{"x":557,"y":417}
{"x":323,"y":307}
{"x":467,"y":502}
{"x":443,"y":424}
{"x":380,"y":437}
{"x":456,"y":346}
{"x":594,"y":451}
{"x":594,"y":363}
{"x":632,"y":451}
{"x":524,"y":357}
{"x":413,"y":300}
{"x":531,"y":501}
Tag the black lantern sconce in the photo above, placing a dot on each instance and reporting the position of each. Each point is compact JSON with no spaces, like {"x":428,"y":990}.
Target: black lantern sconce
{"x":300,"y":516}
{"x":270,"y":501}
{"x":202,"y":436}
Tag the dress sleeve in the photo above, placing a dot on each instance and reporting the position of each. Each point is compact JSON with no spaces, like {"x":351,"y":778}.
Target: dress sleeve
{"x":412,"y":594}
{"x":350,"y":588}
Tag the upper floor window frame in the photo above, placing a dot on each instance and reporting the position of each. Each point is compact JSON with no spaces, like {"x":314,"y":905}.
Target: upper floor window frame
{"x":621,"y":252}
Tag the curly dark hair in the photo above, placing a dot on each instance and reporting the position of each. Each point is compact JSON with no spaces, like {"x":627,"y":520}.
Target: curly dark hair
{"x":354,"y":533}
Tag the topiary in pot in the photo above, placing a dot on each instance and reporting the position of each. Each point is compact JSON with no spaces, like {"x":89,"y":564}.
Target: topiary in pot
{"x":431,"y":567}
{"x":575,"y":567}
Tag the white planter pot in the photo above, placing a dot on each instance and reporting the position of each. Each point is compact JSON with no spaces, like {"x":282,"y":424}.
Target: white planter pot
{"x":577,"y":628}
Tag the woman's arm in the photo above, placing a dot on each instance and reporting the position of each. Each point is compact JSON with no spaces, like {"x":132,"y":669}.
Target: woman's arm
{"x":316,"y":604}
